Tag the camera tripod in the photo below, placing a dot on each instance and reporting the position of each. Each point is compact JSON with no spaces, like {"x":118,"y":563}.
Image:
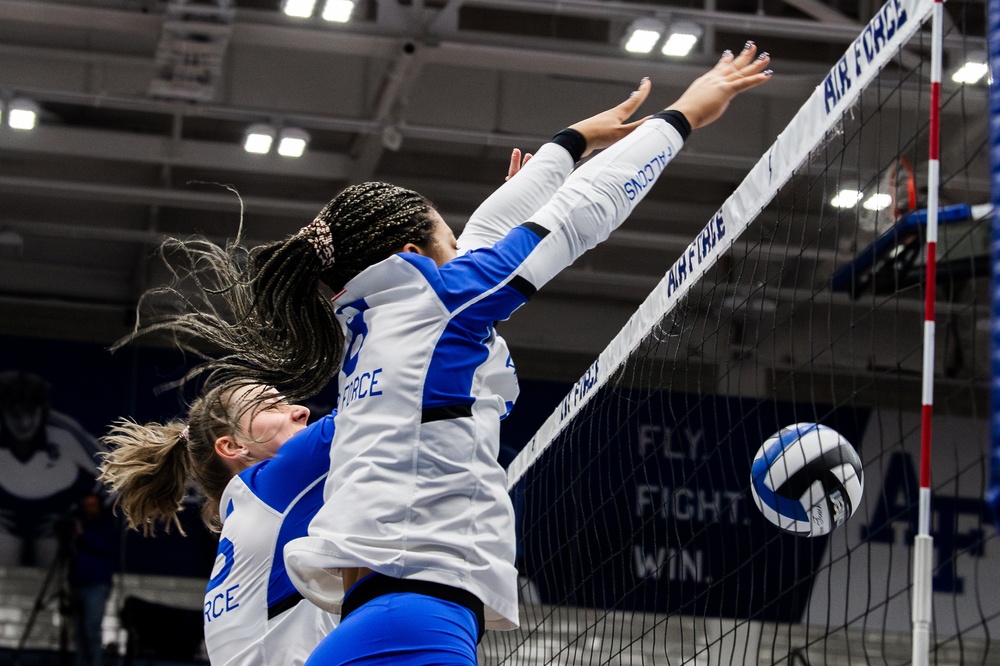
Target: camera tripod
{"x":55,"y":586}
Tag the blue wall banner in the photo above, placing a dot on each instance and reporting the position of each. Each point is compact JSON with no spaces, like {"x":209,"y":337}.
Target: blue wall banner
{"x":649,"y":509}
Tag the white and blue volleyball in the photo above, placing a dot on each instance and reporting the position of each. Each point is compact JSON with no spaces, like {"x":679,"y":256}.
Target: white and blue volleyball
{"x":807,"y":479}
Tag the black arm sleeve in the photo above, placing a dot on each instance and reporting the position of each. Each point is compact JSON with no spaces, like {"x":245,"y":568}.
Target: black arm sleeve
{"x":676,"y":120}
{"x":572,"y":141}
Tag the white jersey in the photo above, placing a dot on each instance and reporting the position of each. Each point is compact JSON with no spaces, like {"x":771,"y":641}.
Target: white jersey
{"x":415,"y":489}
{"x":253,"y":614}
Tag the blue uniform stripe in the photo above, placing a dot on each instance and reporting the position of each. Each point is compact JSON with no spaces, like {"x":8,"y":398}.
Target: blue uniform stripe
{"x":452,"y":369}
{"x":278,"y":481}
{"x":469,"y":276}
{"x":472,"y":281}
{"x":295,"y":525}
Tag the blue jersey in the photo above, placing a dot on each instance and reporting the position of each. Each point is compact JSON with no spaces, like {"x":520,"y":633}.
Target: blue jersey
{"x":415,"y":489}
{"x":253,"y":614}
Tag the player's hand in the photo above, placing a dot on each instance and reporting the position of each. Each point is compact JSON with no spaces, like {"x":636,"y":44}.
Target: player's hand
{"x":607,"y":127}
{"x":516,"y":162}
{"x":707,"y":97}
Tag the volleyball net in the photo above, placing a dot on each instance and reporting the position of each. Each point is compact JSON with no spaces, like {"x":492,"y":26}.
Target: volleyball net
{"x":802,"y":300}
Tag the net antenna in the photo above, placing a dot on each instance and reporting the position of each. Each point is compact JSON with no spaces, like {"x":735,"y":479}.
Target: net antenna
{"x":923,"y":547}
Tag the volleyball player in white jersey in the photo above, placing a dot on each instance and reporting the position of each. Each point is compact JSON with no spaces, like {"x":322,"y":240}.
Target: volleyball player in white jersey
{"x":417,"y":524}
{"x":264,"y":468}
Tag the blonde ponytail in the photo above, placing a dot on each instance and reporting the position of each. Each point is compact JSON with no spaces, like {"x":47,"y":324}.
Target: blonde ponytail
{"x":147,"y":467}
{"x":147,"y":470}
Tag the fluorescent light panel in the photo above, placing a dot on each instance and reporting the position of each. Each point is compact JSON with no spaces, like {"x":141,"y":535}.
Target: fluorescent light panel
{"x":299,"y":8}
{"x":877,"y":202}
{"x":292,"y":142}
{"x":22,"y":114}
{"x":642,"y":41}
{"x":258,"y":139}
{"x":259,"y":144}
{"x":970,"y":72}
{"x":22,"y":119}
{"x":681,"y":38}
{"x":338,"y":11}
{"x":679,"y":44}
{"x":291,"y":147}
{"x":643,"y":34}
{"x":846,"y":199}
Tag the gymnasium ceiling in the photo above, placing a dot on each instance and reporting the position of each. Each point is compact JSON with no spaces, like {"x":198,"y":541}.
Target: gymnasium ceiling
{"x":428,"y":94}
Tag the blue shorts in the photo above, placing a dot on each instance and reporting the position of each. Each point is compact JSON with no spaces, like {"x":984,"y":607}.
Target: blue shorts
{"x":402,"y":629}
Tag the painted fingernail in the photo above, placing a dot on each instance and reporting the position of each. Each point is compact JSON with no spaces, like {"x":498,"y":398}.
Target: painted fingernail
{"x":746,"y":47}
{"x":763,"y":55}
{"x":644,"y":79}
{"x":768,"y":72}
{"x":727,"y":53}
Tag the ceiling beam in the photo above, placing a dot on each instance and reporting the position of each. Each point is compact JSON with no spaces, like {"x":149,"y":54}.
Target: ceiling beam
{"x":63,"y":15}
{"x":263,"y":28}
{"x":823,"y":12}
{"x":157,"y":196}
{"x":155,"y":149}
{"x":670,"y":243}
{"x":165,"y":150}
{"x":63,"y":281}
{"x":828,"y":30}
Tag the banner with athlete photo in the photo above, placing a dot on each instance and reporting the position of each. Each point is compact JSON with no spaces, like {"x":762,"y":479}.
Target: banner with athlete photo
{"x":57,"y":398}
{"x":47,"y":464}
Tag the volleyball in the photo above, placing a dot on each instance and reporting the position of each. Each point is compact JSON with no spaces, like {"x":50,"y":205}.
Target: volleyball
{"x":807,"y":479}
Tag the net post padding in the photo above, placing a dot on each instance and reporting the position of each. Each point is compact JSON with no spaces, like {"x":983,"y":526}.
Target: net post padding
{"x":993,"y":34}
{"x":891,"y":28}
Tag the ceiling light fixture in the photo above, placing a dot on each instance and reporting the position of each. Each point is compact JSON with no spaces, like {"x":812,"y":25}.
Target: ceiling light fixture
{"x":299,"y":8}
{"x":969,"y":73}
{"x":877,"y":202}
{"x":681,"y":38}
{"x":338,"y":11}
{"x":22,"y":114}
{"x":258,"y":139}
{"x":846,"y":199}
{"x":642,"y":35}
{"x":292,"y":142}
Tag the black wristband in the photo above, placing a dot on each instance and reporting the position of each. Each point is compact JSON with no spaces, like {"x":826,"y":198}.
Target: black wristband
{"x":677,"y":121}
{"x":572,"y":141}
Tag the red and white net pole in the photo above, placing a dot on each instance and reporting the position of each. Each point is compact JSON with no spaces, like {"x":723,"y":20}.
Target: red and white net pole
{"x":923,"y":547}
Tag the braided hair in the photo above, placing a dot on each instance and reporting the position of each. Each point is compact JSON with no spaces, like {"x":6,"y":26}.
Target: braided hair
{"x":258,"y":316}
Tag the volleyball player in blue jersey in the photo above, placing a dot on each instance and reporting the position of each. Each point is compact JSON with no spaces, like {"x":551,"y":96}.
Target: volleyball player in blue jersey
{"x":263,"y":468}
{"x":417,"y":526}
